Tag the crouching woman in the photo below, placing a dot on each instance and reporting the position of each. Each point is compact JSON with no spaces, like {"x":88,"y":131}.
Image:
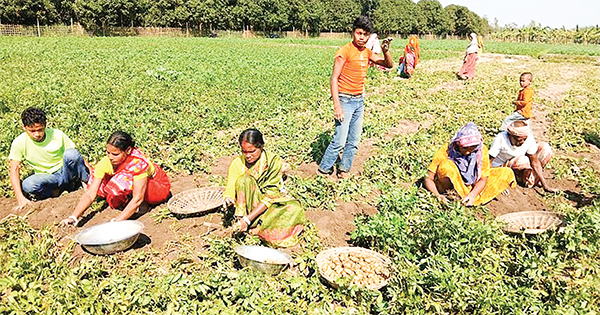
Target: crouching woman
{"x":255,"y":187}
{"x":125,"y":177}
{"x":464,"y":165}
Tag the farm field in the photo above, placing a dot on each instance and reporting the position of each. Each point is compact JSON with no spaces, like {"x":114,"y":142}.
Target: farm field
{"x":186,"y":100}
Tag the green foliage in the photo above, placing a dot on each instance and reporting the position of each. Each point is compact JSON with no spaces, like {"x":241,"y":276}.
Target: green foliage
{"x":538,"y":34}
{"x":186,"y":100}
{"x":436,"y":19}
{"x":401,"y":16}
{"x":446,"y":257}
{"x":463,"y":21}
{"x":203,"y":17}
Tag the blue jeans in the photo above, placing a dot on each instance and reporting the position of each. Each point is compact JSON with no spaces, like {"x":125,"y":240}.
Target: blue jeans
{"x":68,"y":178}
{"x":347,"y":135}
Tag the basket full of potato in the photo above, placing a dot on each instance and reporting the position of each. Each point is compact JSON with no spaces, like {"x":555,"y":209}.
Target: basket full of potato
{"x":361,"y":266}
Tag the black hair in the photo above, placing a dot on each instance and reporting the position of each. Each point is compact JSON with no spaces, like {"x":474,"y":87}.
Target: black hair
{"x":121,"y":140}
{"x":252,"y":136}
{"x":363,"y":22}
{"x":32,"y":116}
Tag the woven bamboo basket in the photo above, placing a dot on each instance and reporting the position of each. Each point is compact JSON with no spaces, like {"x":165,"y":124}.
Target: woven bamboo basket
{"x":196,"y":200}
{"x":328,"y":254}
{"x":531,"y":222}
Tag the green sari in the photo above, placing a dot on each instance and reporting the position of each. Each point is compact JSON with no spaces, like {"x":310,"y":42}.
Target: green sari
{"x":284,"y":218}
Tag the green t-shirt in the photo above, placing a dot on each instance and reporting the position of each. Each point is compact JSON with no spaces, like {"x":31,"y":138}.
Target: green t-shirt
{"x":45,"y":157}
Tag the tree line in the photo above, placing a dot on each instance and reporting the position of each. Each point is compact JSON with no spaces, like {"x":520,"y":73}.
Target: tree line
{"x":312,"y":16}
{"x":538,"y":34}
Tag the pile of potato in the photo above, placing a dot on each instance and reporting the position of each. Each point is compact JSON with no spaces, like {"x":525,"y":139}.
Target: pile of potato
{"x":362,"y":268}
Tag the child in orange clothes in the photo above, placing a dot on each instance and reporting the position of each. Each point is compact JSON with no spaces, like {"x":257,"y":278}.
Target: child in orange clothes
{"x":524,"y":102}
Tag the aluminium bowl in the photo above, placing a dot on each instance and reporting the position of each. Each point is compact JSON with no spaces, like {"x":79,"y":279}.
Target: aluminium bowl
{"x":263,"y":259}
{"x":111,"y":237}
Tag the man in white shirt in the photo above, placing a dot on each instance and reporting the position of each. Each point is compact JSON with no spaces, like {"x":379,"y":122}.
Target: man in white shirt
{"x":516,"y":148}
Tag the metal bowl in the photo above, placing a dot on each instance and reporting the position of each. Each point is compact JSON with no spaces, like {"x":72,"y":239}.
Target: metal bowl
{"x":263,"y":259}
{"x":109,"y":238}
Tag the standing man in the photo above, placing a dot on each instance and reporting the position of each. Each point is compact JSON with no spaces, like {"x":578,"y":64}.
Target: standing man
{"x":57,"y":164}
{"x":347,"y":91}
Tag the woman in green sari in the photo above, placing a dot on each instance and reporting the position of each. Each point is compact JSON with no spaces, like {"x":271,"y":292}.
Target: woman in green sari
{"x":254,"y":186}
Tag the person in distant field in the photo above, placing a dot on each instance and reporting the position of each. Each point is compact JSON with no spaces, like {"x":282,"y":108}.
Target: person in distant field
{"x":347,"y":91}
{"x":57,"y":164}
{"x":516,"y":148}
{"x":464,"y":165}
{"x":373,"y":44}
{"x":375,"y":47}
{"x":126,"y":178}
{"x":470,"y":60}
{"x":524,"y":102}
{"x":410,"y":59}
{"x":255,"y":187}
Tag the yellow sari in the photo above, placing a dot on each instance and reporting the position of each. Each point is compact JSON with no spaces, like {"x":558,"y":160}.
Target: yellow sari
{"x":499,"y":178}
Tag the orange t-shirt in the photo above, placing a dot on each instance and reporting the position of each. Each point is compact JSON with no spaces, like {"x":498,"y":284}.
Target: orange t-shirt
{"x":354,"y":71}
{"x":525,"y":102}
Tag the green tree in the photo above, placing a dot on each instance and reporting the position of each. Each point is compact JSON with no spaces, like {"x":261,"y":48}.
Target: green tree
{"x":307,"y":15}
{"x":208,"y":14}
{"x":340,"y":15}
{"x":463,"y":21}
{"x":28,"y":12}
{"x":369,"y":6}
{"x":435,"y":19}
{"x":396,"y":16}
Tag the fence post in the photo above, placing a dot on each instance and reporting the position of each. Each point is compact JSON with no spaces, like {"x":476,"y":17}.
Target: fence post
{"x":38,"y":26}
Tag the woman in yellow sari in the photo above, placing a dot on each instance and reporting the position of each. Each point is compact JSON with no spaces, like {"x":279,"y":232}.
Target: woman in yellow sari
{"x":255,"y":187}
{"x":464,"y":165}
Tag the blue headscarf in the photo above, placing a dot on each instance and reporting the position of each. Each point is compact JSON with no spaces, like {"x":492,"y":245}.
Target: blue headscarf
{"x":469,"y":165}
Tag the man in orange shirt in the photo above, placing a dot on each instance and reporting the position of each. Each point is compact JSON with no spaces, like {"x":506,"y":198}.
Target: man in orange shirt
{"x":524,"y":102}
{"x":347,"y":91}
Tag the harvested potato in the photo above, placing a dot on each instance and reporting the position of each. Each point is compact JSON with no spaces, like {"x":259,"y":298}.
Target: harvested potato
{"x":362,"y":269}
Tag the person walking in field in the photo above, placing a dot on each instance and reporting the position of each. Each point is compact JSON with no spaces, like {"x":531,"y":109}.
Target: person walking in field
{"x":347,"y":91}
{"x":464,"y":165}
{"x":125,"y":177}
{"x":524,"y":102}
{"x":57,"y":164}
{"x":516,"y":148}
{"x":470,"y":60}
{"x":409,"y":61}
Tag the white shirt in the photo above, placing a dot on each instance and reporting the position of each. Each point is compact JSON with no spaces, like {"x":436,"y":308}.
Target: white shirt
{"x":502,"y":150}
{"x":373,"y":43}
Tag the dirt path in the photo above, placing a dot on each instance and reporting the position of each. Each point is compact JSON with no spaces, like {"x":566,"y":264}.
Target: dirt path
{"x":530,"y":199}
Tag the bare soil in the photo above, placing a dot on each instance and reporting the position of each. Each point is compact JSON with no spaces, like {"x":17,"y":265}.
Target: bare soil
{"x":174,"y":235}
{"x":334,"y":227}
{"x":171,"y":234}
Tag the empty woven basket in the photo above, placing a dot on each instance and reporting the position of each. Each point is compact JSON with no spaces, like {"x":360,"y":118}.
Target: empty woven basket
{"x":531,"y":222}
{"x":329,"y":254}
{"x":196,"y":200}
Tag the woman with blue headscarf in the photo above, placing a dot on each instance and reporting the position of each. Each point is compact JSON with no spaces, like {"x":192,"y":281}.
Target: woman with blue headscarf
{"x":464,"y":165}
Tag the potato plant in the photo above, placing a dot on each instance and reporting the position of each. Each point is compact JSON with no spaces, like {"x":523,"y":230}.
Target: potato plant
{"x":187,"y":99}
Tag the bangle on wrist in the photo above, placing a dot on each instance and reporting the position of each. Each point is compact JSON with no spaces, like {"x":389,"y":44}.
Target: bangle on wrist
{"x":74,"y":219}
{"x":245,"y":218}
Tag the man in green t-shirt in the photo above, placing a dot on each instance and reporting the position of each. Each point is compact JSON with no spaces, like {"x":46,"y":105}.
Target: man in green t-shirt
{"x":57,"y":164}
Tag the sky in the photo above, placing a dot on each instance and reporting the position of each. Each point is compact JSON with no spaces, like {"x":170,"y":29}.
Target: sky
{"x":553,"y":13}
